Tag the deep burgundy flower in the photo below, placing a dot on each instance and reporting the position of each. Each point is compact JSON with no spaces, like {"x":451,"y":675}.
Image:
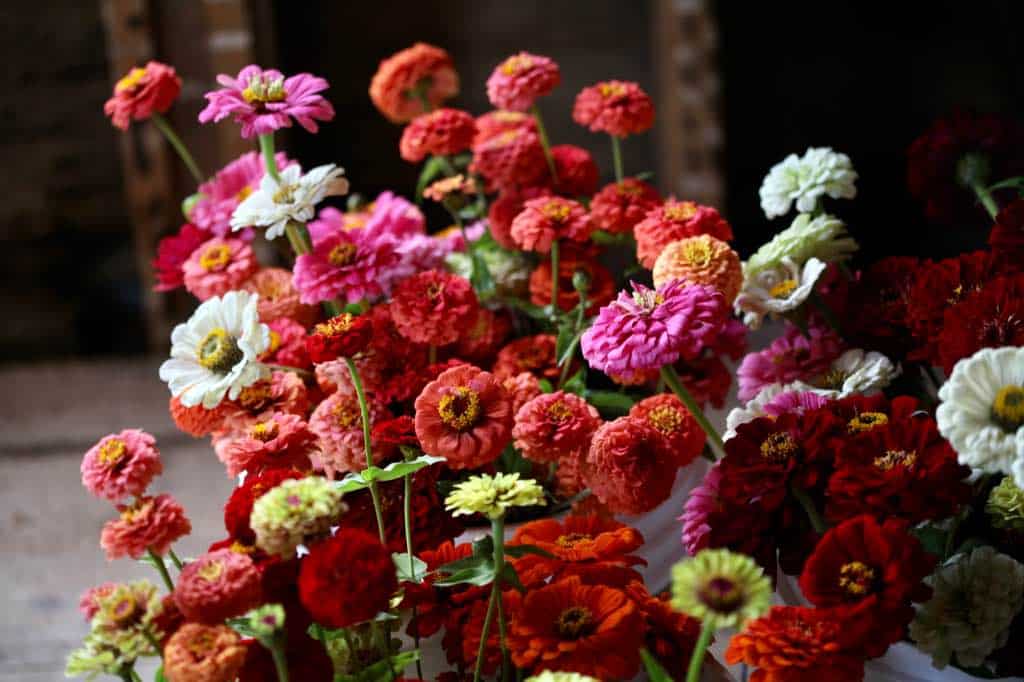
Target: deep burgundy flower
{"x":1007,"y":235}
{"x":991,"y":317}
{"x":576,"y":170}
{"x":881,"y":292}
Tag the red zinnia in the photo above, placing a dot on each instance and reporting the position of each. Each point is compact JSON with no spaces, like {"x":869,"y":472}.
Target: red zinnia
{"x":574,"y":258}
{"x":442,"y":132}
{"x":1007,"y":235}
{"x":673,"y":221}
{"x":621,"y":205}
{"x":420,"y":66}
{"x":433,"y":307}
{"x":554,"y":424}
{"x":141,"y":93}
{"x":577,"y":173}
{"x":171,"y":254}
{"x":534,"y":354}
{"x":505,"y":208}
{"x":683,"y":436}
{"x":347,"y":579}
{"x":990,"y":317}
{"x":517,"y":82}
{"x":671,"y":636}
{"x":547,"y":219}
{"x":342,"y":336}
{"x":619,"y":108}
{"x":513,"y":157}
{"x":397,"y":431}
{"x":628,"y":467}
{"x":883,"y":290}
{"x":483,"y":338}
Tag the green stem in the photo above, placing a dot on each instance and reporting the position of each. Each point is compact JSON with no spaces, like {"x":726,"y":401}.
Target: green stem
{"x":985,"y":197}
{"x":483,"y":635}
{"x":135,"y":676}
{"x":127,"y":674}
{"x":178,"y":563}
{"x":554,"y":279}
{"x":668,"y":373}
{"x":498,"y":534}
{"x":267,"y":149}
{"x":431,"y":354}
{"x":161,"y":567}
{"x":280,"y":660}
{"x":617,"y":158}
{"x":817,"y":522}
{"x":153,"y":641}
{"x":165,"y":127}
{"x":446,"y":165}
{"x":364,"y":412}
{"x":407,"y":518}
{"x":699,"y":651}
{"x":543,"y":133}
{"x":420,"y":91}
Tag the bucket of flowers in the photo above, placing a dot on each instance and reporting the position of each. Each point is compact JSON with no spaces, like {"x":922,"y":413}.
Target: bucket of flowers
{"x":430,"y":434}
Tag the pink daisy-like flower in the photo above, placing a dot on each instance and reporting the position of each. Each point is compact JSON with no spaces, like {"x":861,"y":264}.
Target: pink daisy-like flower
{"x":283,"y":392}
{"x":702,"y":502}
{"x":418,"y":253}
{"x":217,"y":586}
{"x":218,"y":266}
{"x":619,"y":108}
{"x":287,"y":344}
{"x":338,"y":424}
{"x":553,"y":425}
{"x":278,"y":297}
{"x":676,"y":220}
{"x":121,"y":465}
{"x":343,"y":264}
{"x":282,"y":441}
{"x":221,"y":194}
{"x":150,"y":523}
{"x":391,"y":214}
{"x":546,"y":219}
{"x":789,"y":358}
{"x":265,"y":101}
{"x":88,"y":603}
{"x":683,"y":436}
{"x":628,"y":467}
{"x":171,"y":254}
{"x":795,"y":402}
{"x":522,"y":388}
{"x":442,"y":132}
{"x":649,"y":328}
{"x":517,"y":82}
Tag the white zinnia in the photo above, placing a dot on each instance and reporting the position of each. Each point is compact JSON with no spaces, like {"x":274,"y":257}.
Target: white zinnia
{"x":804,"y":179}
{"x":777,"y":290}
{"x":753,"y":409}
{"x":981,"y":412}
{"x":823,"y":237}
{"x":854,"y":372}
{"x":976,"y":598}
{"x":215,"y":352}
{"x":295,"y":198}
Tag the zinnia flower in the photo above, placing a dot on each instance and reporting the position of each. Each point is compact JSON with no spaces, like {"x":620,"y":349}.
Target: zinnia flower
{"x":513,"y":157}
{"x":517,"y":82}
{"x":494,"y":495}
{"x":683,"y":436}
{"x":823,"y":237}
{"x":149,"y":523}
{"x":347,"y":579}
{"x":619,"y":108}
{"x":676,"y":220}
{"x":549,"y":219}
{"x":700,"y":260}
{"x":576,"y":170}
{"x":649,"y":329}
{"x":990,"y":317}
{"x":553,"y":425}
{"x":772,"y":400}
{"x":238,"y":507}
{"x":217,"y":586}
{"x":218,"y":266}
{"x":442,"y":132}
{"x":504,"y":209}
{"x":278,"y":297}
{"x":433,"y":307}
{"x":287,"y":344}
{"x":721,"y":588}
{"x":573,"y":264}
{"x":283,"y":392}
{"x":450,"y":190}
{"x":548,"y":676}
{"x":703,"y":500}
{"x":421,"y":67}
{"x":805,"y":179}
{"x":342,"y":336}
{"x":777,"y":290}
{"x":628,"y":466}
{"x":534,"y":354}
{"x":521,"y":388}
{"x":203,"y":653}
{"x":621,"y":205}
{"x":215,"y":353}
{"x":141,"y":93}
{"x":294,"y":198}
{"x":220,"y":195}
{"x":338,"y":424}
{"x":171,"y":254}
{"x":265,"y":101}
{"x":1005,"y":505}
{"x":789,"y":358}
{"x":121,"y":465}
{"x":282,"y":441}
{"x":1007,"y":235}
{"x":294,"y":512}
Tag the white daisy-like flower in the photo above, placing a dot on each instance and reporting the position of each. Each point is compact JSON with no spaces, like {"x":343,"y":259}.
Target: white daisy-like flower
{"x":976,"y":598}
{"x":753,"y":409}
{"x":981,"y":412}
{"x":295,"y":198}
{"x":823,"y":237}
{"x":761,"y":405}
{"x":854,"y":372}
{"x":215,"y":353}
{"x":805,"y":179}
{"x":777,"y":290}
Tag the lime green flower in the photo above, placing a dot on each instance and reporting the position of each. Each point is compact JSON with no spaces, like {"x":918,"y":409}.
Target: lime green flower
{"x":122,"y":630}
{"x":1005,"y":506}
{"x":493,"y":495}
{"x":823,"y":237}
{"x":721,"y":587}
{"x":294,"y":511}
{"x":95,"y":657}
{"x":548,"y":676}
{"x":266,"y":621}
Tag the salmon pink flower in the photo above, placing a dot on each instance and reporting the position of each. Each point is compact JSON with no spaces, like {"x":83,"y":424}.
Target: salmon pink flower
{"x":337,"y":423}
{"x":547,"y":219}
{"x":433,"y":307}
{"x":217,"y":586}
{"x":628,"y":467}
{"x":149,"y":523}
{"x":422,"y":68}
{"x":621,"y":205}
{"x":442,"y":132}
{"x":554,"y":424}
{"x":619,"y":108}
{"x":280,"y":392}
{"x":141,"y":93}
{"x":683,"y":436}
{"x":278,"y":297}
{"x":121,"y":465}
{"x":513,"y":157}
{"x":701,"y":260}
{"x":676,"y":220}
{"x":505,"y":208}
{"x":218,"y":266}
{"x":210,"y":653}
{"x":517,"y":82}
{"x":282,"y":441}
{"x":522,"y":388}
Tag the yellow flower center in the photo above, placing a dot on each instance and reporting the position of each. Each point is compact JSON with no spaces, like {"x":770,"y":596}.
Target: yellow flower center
{"x":558,"y":411}
{"x":865,"y":421}
{"x":1008,"y":407}
{"x":132,"y":513}
{"x":131,"y":80}
{"x":265,"y":431}
{"x":575,"y":622}
{"x":784,"y":288}
{"x":202,"y":644}
{"x":255,"y":397}
{"x":611,"y":90}
{"x":516,"y":64}
{"x":459,"y":408}
{"x":778,"y":447}
{"x":832,"y":380}
{"x":666,"y":419}
{"x":681,"y":211}
{"x":696,"y":253}
{"x":243,"y":194}
{"x":238,"y":548}
{"x":336,"y":326}
{"x":341,"y":255}
{"x":509,"y":136}
{"x":285,"y":194}
{"x":856,"y":578}
{"x":215,"y":257}
{"x":896,"y":458}
{"x":275,"y":342}
{"x":112,"y":451}
{"x":572,"y":539}
{"x":347,"y":414}
{"x":218,"y":351}
{"x":557,"y":211}
{"x":262,"y":90}
{"x":211,"y":571}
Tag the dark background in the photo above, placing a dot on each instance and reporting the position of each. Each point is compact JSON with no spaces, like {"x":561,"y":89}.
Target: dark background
{"x":862,"y":77}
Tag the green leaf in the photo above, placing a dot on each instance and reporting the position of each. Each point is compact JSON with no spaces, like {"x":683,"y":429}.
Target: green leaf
{"x":516,"y":551}
{"x":610,"y":401}
{"x":149,"y":561}
{"x":565,"y":344}
{"x":484,"y":547}
{"x":1009,"y":182}
{"x":434,"y":167}
{"x":644,"y":175}
{"x":384,"y":670}
{"x":480,"y":573}
{"x":576,"y":384}
{"x":351,"y":483}
{"x":512,"y":462}
{"x":419,"y":568}
{"x":604,"y":238}
{"x":545,"y":385}
{"x":655,"y":673}
{"x":159,"y":675}
{"x":481,"y":279}
{"x":397,"y":470}
{"x":322,"y":634}
{"x":511,"y":578}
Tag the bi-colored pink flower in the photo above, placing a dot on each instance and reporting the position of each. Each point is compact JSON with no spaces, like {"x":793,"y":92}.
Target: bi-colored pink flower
{"x":141,"y":93}
{"x":218,"y":585}
{"x":619,"y":108}
{"x":338,"y":425}
{"x":547,"y":219}
{"x":281,"y":441}
{"x":442,"y":132}
{"x":278,"y":297}
{"x":149,"y":523}
{"x":517,"y":82}
{"x":628,"y":467}
{"x":649,"y":328}
{"x":171,"y":254}
{"x":219,"y":266}
{"x":554,"y":425}
{"x":221,"y":194}
{"x":265,"y":101}
{"x":121,"y":465}
{"x":789,"y":358}
{"x":675,"y":220}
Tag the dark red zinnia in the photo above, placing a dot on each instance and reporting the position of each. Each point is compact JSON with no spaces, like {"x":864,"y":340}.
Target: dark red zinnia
{"x":171,"y":254}
{"x":990,"y":317}
{"x":342,"y":336}
{"x":433,"y":307}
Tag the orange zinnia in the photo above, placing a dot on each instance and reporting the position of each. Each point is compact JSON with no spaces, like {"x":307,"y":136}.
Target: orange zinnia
{"x":581,"y":538}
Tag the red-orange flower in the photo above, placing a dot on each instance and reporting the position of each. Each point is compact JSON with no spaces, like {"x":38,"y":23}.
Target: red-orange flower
{"x":553,"y":425}
{"x":673,"y":221}
{"x":442,"y":132}
{"x":670,"y":635}
{"x":513,"y":157}
{"x":619,"y":108}
{"x":581,"y":538}
{"x":600,"y":281}
{"x":683,"y":436}
{"x":505,"y":208}
{"x":628,"y":466}
{"x":393,"y":88}
{"x":141,"y":93}
{"x":547,"y":219}
{"x":533,"y":354}
{"x":433,"y":307}
{"x":621,"y":205}
{"x":342,"y":336}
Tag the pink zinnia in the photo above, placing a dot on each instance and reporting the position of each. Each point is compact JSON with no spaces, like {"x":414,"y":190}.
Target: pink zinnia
{"x":373,"y":369}
{"x":517,"y":82}
{"x":619,"y":108}
{"x":283,"y":392}
{"x":676,"y":220}
{"x":621,"y":205}
{"x":554,"y":425}
{"x":149,"y":523}
{"x":649,"y":329}
{"x":338,"y":424}
{"x":628,"y":467}
{"x":88,"y":603}
{"x":789,"y":358}
{"x":278,"y":297}
{"x":442,"y":132}
{"x":141,"y":93}
{"x":171,"y":254}
{"x":218,"y":585}
{"x":547,"y":219}
{"x":265,"y":101}
{"x":702,"y":502}
{"x":282,"y":441}
{"x":522,"y":388}
{"x":504,"y":209}
{"x":121,"y":465}
{"x":796,"y":402}
{"x":417,"y":253}
{"x":287,"y":344}
{"x":391,"y":214}
{"x":221,"y":194}
{"x":348,"y":264}
{"x":219,"y":266}
{"x":494,"y":123}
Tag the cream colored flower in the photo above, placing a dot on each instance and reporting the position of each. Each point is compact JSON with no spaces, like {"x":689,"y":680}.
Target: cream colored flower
{"x":805,"y":179}
{"x":293,"y":512}
{"x":722,"y":587}
{"x":854,"y":372}
{"x":273,"y":205}
{"x":823,"y":237}
{"x":493,"y":495}
{"x":777,"y":290}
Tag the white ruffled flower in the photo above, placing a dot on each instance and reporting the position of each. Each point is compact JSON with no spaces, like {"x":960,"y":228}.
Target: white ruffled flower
{"x":753,"y":409}
{"x":295,"y":198}
{"x":777,"y":290}
{"x":854,"y":372}
{"x":976,"y":598}
{"x":804,"y":179}
{"x":823,"y":237}
{"x":981,"y":412}
{"x":215,"y":352}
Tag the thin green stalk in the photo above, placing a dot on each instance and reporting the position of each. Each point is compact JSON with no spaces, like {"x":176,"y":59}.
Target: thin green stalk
{"x":178,"y":563}
{"x":483,"y":635}
{"x":161,"y":567}
{"x":699,"y":651}
{"x":543,"y":133}
{"x":135,"y":676}
{"x":498,"y":535}
{"x":407,"y":518}
{"x":446,"y":165}
{"x":153,"y":641}
{"x":668,"y":373}
{"x":280,"y":661}
{"x":985,"y":197}
{"x":165,"y":127}
{"x":817,"y":522}
{"x":617,"y":158}
{"x":421,"y":94}
{"x":431,"y":354}
{"x":127,"y":674}
{"x":267,"y":149}
{"x":364,"y":413}
{"x":554,"y":279}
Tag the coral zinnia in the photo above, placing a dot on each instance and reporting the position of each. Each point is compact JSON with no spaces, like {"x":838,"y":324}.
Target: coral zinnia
{"x":347,"y":579}
{"x":676,"y":220}
{"x":433,"y":307}
{"x":619,"y":108}
{"x":553,"y":425}
{"x":121,"y":465}
{"x":628,"y":467}
{"x":587,"y":629}
{"x":504,"y":209}
{"x":576,"y":170}
{"x":517,"y":82}
{"x":581,"y":538}
{"x":701,"y":260}
{"x":149,"y":523}
{"x":683,"y":436}
{"x":282,"y":441}
{"x":442,"y":132}
{"x":533,"y":354}
{"x":216,"y":586}
{"x":348,"y":263}
{"x":218,"y":266}
{"x":141,"y":93}
{"x":513,"y":157}
{"x":547,"y":219}
{"x":621,"y":205}
{"x":465,"y":416}
{"x":649,"y":329}
{"x":338,"y":424}
{"x":279,"y":297}
{"x":422,"y":68}
{"x":171,"y":254}
{"x":203,"y":653}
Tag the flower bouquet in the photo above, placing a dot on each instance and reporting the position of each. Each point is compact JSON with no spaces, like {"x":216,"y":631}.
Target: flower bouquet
{"x":376,"y":390}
